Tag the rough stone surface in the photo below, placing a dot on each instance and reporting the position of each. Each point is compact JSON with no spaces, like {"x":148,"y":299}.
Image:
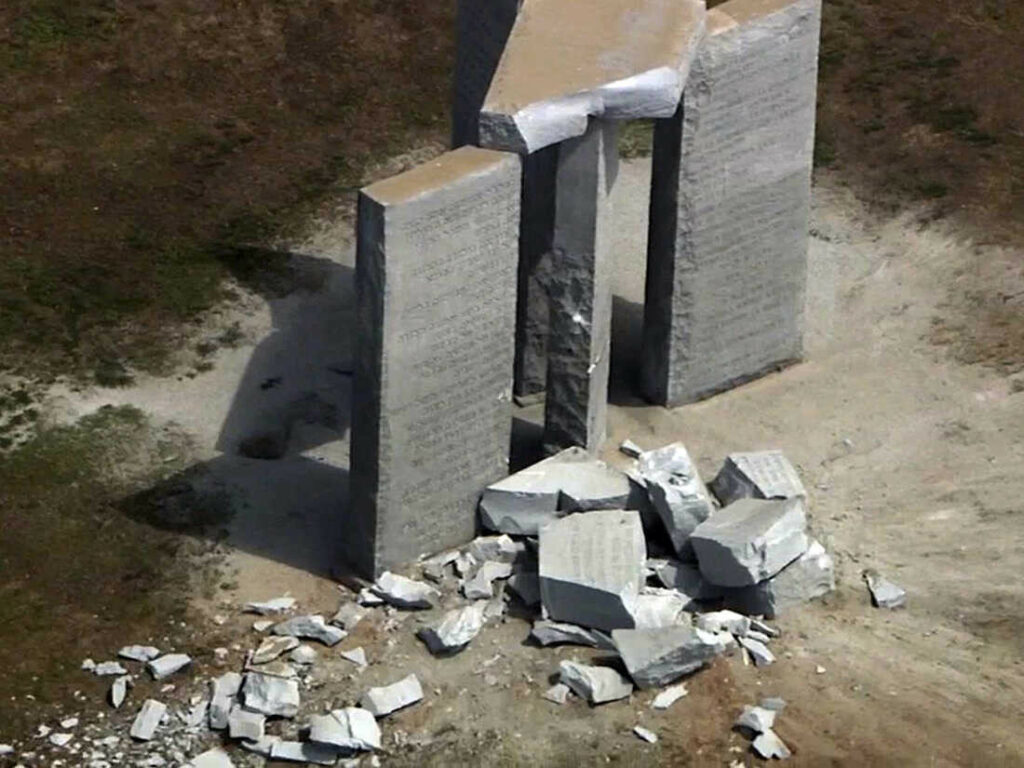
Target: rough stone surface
{"x":595,"y":684}
{"x":669,"y":696}
{"x":500,"y":549}
{"x":167,"y":665}
{"x":273,"y":647}
{"x":558,"y":633}
{"x":274,"y":605}
{"x":656,"y":657}
{"x":139,"y":652}
{"x":756,"y":719}
{"x":348,"y":616}
{"x":404,"y":592}
{"x":212,"y":758}
{"x":109,"y":668}
{"x":481,"y":585}
{"x":758,"y":651}
{"x":724,"y":621}
{"x":750,"y":540}
{"x":223,"y":691}
{"x":730,"y":203}
{"x":557,"y":693}
{"x":350,"y":729}
{"x":304,"y":655}
{"x":659,"y":608}
{"x":356,"y":655}
{"x":644,"y":733}
{"x":119,"y":689}
{"x":768,"y":745}
{"x":591,"y":568}
{"x":526,"y":587}
{"x":271,"y":695}
{"x":243,"y":724}
{"x":884,"y":593}
{"x":311,"y":628}
{"x":433,"y":568}
{"x":808,"y":577}
{"x":389,"y":698}
{"x":686,"y":579}
{"x":455,"y":630}
{"x":304,"y":752}
{"x":757,"y":475}
{"x":431,"y":421}
{"x":147,"y":720}
{"x":676,"y":492}
{"x":628,"y":59}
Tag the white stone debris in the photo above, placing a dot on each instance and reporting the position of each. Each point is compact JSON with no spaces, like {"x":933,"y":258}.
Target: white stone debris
{"x":304,"y":655}
{"x":274,"y":696}
{"x":481,"y":585}
{"x":756,"y":719}
{"x":403,"y":592}
{"x":68,"y":723}
{"x":262,"y":625}
{"x":350,"y":729}
{"x":223,"y":691}
{"x":760,"y":626}
{"x":278,"y":668}
{"x":6,"y":749}
{"x":357,"y":656}
{"x":750,"y":540}
{"x":557,"y":693}
{"x":139,"y":652}
{"x":649,"y":736}
{"x":669,"y":696}
{"x":198,"y":714}
{"x":809,"y":576}
{"x":501,"y":549}
{"x":455,"y":630}
{"x":560,"y":633}
{"x":389,"y":698}
{"x":656,"y":607}
{"x":243,"y":724}
{"x":60,"y":739}
{"x":592,"y":567}
{"x":884,"y":593}
{"x":656,"y":657}
{"x":768,"y":745}
{"x":761,"y":637}
{"x":261,"y":746}
{"x":595,"y":684}
{"x":89,"y":665}
{"x":368,"y":599}
{"x":348,"y":615}
{"x":274,"y":605}
{"x":311,"y":628}
{"x":757,"y":475}
{"x":433,"y":567}
{"x":273,"y":647}
{"x":147,"y":720}
{"x":724,"y":621}
{"x":43,"y":731}
{"x":465,"y":564}
{"x":630,"y":448}
{"x":303,"y":752}
{"x":758,"y":650}
{"x":525,"y":585}
{"x":496,"y":607}
{"x":119,"y":689}
{"x":686,"y":579}
{"x":109,"y":668}
{"x":676,"y":492}
{"x":167,"y":665}
{"x":213,"y":758}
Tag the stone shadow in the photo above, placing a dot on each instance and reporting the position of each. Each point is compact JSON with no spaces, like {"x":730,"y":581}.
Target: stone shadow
{"x":627,"y":342}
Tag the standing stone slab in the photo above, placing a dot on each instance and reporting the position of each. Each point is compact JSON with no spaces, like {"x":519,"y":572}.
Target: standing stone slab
{"x":730,"y":201}
{"x":431,"y":421}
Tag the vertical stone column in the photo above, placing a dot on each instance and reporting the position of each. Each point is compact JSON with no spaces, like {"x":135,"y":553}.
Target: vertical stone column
{"x":730,"y":202}
{"x":431,"y":414}
{"x":579,"y":343}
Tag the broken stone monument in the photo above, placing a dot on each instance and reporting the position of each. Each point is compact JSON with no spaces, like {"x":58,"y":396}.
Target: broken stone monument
{"x":431,"y":420}
{"x":656,"y":657}
{"x":757,"y":475}
{"x":676,"y":492}
{"x":730,"y":201}
{"x":808,"y":577}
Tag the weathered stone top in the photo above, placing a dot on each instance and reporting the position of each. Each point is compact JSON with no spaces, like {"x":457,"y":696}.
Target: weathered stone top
{"x":734,"y":12}
{"x":566,"y":60}
{"x":433,"y":175}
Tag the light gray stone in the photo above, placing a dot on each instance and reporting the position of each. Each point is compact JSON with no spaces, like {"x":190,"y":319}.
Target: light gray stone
{"x":243,"y":724}
{"x":431,"y":415}
{"x":197,"y":714}
{"x":884,"y":593}
{"x":223,"y":691}
{"x":303,"y":752}
{"x":404,"y":592}
{"x":465,"y":564}
{"x":595,"y":684}
{"x":655,"y":607}
{"x":368,"y":599}
{"x":591,"y":568}
{"x":212,"y":758}
{"x":356,"y":655}
{"x":60,"y":739}
{"x":274,"y":696}
{"x":557,"y":693}
{"x":455,"y":630}
{"x":644,"y":733}
{"x":808,"y":577}
{"x":262,"y":625}
{"x":499,"y":549}
{"x":389,"y":698}
{"x":304,"y":655}
{"x":774,"y":703}
{"x":669,"y":696}
{"x":261,"y":746}
{"x":167,"y":665}
{"x":758,"y":651}
{"x":433,"y":568}
{"x":768,"y":745}
{"x":757,"y":475}
{"x":630,"y":448}
{"x":348,"y":615}
{"x":274,"y":605}
{"x":139,"y":652}
{"x":278,"y":668}
{"x":481,"y":585}
{"x":525,"y":585}
{"x":727,"y":252}
{"x":559,"y":633}
{"x":656,"y":657}
{"x":119,"y":689}
{"x":676,"y":492}
{"x":350,"y":730}
{"x":147,"y":720}
{"x":686,"y":579}
{"x":756,"y":719}
{"x":750,"y":540}
{"x":109,"y":668}
{"x":273,"y":647}
{"x":724,"y":621}
{"x":310,"y":628}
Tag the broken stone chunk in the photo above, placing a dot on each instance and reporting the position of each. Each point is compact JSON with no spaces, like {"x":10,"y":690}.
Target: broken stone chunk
{"x":60,"y":739}
{"x":198,"y":714}
{"x":630,"y":448}
{"x":676,"y":492}
{"x":559,"y":633}
{"x":389,"y":698}
{"x":455,"y":630}
{"x":303,"y":752}
{"x":649,"y":736}
{"x":109,"y":668}
{"x":808,"y":577}
{"x":591,"y":568}
{"x":304,"y":655}
{"x":724,"y":621}
{"x":223,"y":691}
{"x":274,"y":696}
{"x":686,"y":579}
{"x":348,"y":616}
{"x":479,"y":587}
{"x":147,"y":720}
{"x":139,"y":652}
{"x":758,"y":650}
{"x":262,"y":625}
{"x":768,"y":745}
{"x":656,"y":657}
{"x":278,"y":669}
{"x":404,"y":592}
{"x":214,"y":758}
{"x":757,"y":475}
{"x":525,"y":585}
{"x":350,"y":729}
{"x":433,"y":567}
{"x":465,"y":564}
{"x":312,"y":628}
{"x":756,"y":719}
{"x":368,"y":598}
{"x":167,"y":665}
{"x":357,"y":656}
{"x":500,"y":549}
{"x":750,"y":540}
{"x":275,"y":605}
{"x":243,"y":724}
{"x":659,"y":608}
{"x":595,"y":684}
{"x":669,"y":696}
{"x":273,"y":647}
{"x":557,"y":693}
{"x":884,"y":593}
{"x":119,"y":689}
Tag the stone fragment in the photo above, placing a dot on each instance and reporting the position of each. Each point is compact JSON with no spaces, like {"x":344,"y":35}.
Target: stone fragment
{"x":480,"y":586}
{"x":213,"y":758}
{"x":6,"y":749}
{"x":167,"y":665}
{"x":263,"y":625}
{"x":243,"y":724}
{"x":198,"y":714}
{"x":348,"y":615}
{"x":350,"y":729}
{"x":147,"y":720}
{"x":357,"y":656}
{"x":750,"y":540}
{"x":724,"y":621}
{"x":768,"y":745}
{"x":884,"y":593}
{"x":595,"y":684}
{"x":304,"y":655}
{"x":758,"y":650}
{"x":119,"y":689}
{"x":404,"y":592}
{"x":109,"y":668}
{"x":60,"y":739}
{"x":303,"y":752}
{"x":630,"y":448}
{"x":676,"y":492}
{"x":310,"y":628}
{"x":656,"y":657}
{"x":761,"y":637}
{"x":756,"y":719}
{"x":808,"y":577}
{"x":559,"y":633}
{"x":368,"y":599}
{"x":659,"y":608}
{"x":757,"y":475}
{"x":389,"y":698}
{"x":274,"y":696}
{"x":525,"y":585}
{"x":455,"y":630}
{"x":261,"y":746}
{"x":223,"y":691}
{"x":647,"y":735}
{"x":686,"y":579}
{"x":437,"y":252}
{"x":139,"y":652}
{"x":557,"y":693}
{"x":273,"y":647}
{"x":279,"y":668}
{"x":774,"y":703}
{"x":89,"y":666}
{"x":760,"y":626}
{"x":433,"y":567}
{"x":465,"y":564}
{"x":669,"y":696}
{"x":591,"y":568}
{"x":274,"y":605}
{"x":499,"y":549}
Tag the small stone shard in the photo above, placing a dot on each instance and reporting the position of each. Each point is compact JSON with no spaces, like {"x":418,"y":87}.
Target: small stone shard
{"x":119,"y":689}
{"x":525,"y":585}
{"x":808,"y":577}
{"x":433,"y":567}
{"x":480,"y":586}
{"x":223,"y":691}
{"x":109,"y":668}
{"x":756,"y":719}
{"x":304,"y":655}
{"x":213,"y":758}
{"x":774,"y":703}
{"x":311,"y":628}
{"x":147,"y":720}
{"x":724,"y":621}
{"x":656,"y":657}
{"x":60,"y":739}
{"x":389,"y":698}
{"x":303,"y":752}
{"x":669,"y":696}
{"x":595,"y":684}
{"x":758,"y":650}
{"x":275,"y":605}
{"x":676,"y":492}
{"x":649,"y":736}
{"x":884,"y":593}
{"x":89,"y":665}
{"x":243,"y":724}
{"x":465,"y":564}
{"x":560,"y":633}
{"x":357,"y":656}
{"x":455,"y":630}
{"x":273,"y":647}
{"x":167,"y":665}
{"x":198,"y":714}
{"x":757,"y":475}
{"x":262,"y":625}
{"x":768,"y":745}
{"x":557,"y":693}
{"x":350,"y":729}
{"x":139,"y":652}
{"x":274,"y":696}
{"x":655,"y":607}
{"x":500,"y":549}
{"x":348,"y":616}
{"x":686,"y":579}
{"x":630,"y":448}
{"x":368,"y":598}
{"x":404,"y":592}
{"x":750,"y":540}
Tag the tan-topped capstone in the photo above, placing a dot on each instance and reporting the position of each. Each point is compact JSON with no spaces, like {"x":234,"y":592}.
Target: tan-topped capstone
{"x":567,"y":60}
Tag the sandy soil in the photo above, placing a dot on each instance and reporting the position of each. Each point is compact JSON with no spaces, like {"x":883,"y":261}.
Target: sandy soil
{"x":913,"y":460}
